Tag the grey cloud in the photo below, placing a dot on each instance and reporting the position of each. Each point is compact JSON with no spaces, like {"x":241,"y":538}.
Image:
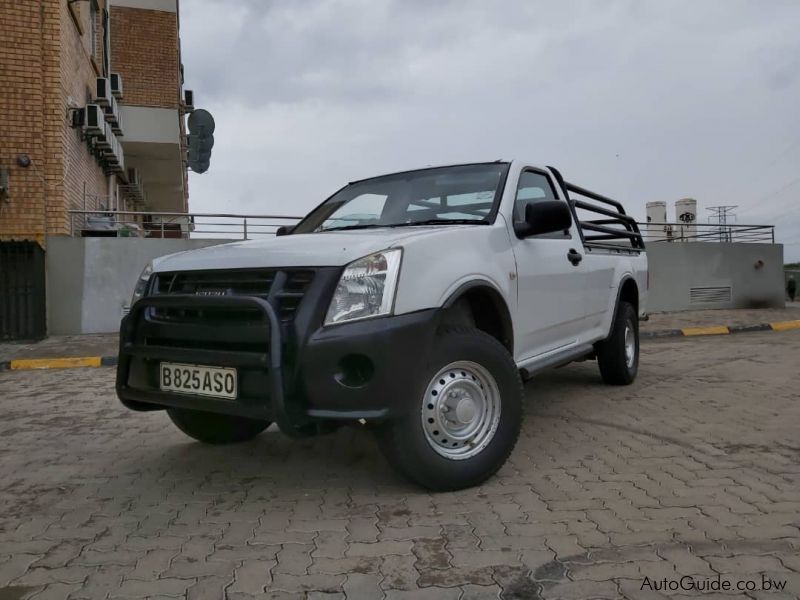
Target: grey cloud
{"x":641,"y":99}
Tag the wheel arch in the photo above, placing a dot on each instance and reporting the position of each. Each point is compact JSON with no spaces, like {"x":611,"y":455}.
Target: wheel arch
{"x":627,"y":291}
{"x":489,"y":310}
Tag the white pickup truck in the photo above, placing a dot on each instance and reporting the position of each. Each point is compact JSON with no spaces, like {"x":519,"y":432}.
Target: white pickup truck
{"x":414,"y":303}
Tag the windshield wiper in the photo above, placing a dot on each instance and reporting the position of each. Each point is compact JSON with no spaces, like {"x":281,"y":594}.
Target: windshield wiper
{"x":346,"y":227}
{"x":409,"y":224}
{"x":443,"y":222}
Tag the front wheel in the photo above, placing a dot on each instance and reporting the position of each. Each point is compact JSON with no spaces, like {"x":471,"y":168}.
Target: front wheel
{"x":214,"y":428}
{"x":618,"y":354}
{"x":466,"y":418}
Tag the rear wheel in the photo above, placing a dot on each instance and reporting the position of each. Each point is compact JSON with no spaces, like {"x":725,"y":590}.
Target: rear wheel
{"x":465,"y":421}
{"x":618,"y":354}
{"x":215,"y":428}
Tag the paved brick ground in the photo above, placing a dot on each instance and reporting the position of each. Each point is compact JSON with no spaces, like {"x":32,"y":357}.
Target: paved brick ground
{"x":691,"y":471}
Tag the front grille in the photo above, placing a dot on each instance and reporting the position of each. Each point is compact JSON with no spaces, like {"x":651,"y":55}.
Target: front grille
{"x":283,"y":288}
{"x":255,"y":282}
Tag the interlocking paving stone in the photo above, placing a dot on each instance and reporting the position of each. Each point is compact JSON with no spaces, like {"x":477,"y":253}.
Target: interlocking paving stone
{"x":692,"y":470}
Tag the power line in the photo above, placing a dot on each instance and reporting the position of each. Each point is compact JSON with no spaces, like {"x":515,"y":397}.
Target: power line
{"x":759,"y":203}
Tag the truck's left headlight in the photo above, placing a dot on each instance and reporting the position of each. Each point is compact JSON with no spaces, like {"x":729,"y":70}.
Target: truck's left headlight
{"x":366,"y":288}
{"x":141,"y":284}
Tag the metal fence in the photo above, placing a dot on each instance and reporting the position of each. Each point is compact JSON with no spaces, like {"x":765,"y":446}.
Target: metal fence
{"x":22,"y":291}
{"x":707,"y":232}
{"x":120,"y":223}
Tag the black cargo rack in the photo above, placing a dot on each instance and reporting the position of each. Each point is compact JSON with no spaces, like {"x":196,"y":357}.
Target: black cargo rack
{"x":615,"y":231}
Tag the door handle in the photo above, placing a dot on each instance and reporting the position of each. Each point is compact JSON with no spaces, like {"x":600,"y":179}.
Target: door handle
{"x":574,"y":256}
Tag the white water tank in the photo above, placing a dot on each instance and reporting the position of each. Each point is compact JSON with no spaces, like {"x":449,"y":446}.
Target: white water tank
{"x":686,"y":218}
{"x":656,"y":217}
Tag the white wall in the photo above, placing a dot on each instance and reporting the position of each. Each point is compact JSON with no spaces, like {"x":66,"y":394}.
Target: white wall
{"x":90,"y":280}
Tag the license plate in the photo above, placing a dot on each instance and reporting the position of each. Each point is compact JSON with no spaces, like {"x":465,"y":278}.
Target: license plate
{"x":218,"y":382}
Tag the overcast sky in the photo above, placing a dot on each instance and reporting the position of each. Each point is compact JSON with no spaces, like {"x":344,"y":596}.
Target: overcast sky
{"x":641,"y":100}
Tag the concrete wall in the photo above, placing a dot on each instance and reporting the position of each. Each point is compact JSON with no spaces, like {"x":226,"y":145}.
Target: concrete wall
{"x":677,"y":267}
{"x":90,"y":280}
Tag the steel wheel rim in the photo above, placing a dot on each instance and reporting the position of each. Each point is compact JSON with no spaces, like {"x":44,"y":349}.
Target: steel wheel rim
{"x":461,"y":410}
{"x":630,"y":345}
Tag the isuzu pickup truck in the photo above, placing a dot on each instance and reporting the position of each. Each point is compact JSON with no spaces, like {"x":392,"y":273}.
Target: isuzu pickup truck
{"x":414,"y":303}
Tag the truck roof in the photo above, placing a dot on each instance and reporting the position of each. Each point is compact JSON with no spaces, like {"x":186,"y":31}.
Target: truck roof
{"x":442,"y":166}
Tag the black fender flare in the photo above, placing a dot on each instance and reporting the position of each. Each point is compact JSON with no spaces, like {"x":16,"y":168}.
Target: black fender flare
{"x":622,"y":282}
{"x":498,"y":302}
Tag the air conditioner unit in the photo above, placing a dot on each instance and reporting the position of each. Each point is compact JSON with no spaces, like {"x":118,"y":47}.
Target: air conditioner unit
{"x":116,"y":125}
{"x":119,"y":155}
{"x":114,"y":160}
{"x":112,"y":111}
{"x":109,"y":159}
{"x":188,"y":100}
{"x":113,"y":116}
{"x":102,"y":92}
{"x":116,"y":151}
{"x":116,"y":85}
{"x":103,"y":139}
{"x":92,"y":120}
{"x":134,"y":177}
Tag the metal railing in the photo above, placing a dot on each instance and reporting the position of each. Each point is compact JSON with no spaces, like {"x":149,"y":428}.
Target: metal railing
{"x":707,"y":232}
{"x":121,"y":223}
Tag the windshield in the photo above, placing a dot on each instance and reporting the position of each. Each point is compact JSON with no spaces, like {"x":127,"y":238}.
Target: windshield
{"x":446,"y":195}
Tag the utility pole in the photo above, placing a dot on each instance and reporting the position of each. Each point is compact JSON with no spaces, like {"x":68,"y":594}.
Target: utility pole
{"x":721,"y":215}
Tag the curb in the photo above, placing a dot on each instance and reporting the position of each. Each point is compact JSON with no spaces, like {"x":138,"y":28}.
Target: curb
{"x":720,"y":330}
{"x":28,"y":364}
{"x":31,"y":364}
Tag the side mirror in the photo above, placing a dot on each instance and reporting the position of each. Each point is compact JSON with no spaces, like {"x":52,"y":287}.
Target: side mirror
{"x":284,"y":230}
{"x":545,"y":216}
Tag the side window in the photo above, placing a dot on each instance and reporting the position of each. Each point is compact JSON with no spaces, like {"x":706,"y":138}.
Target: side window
{"x":533,"y":187}
{"x":361,"y":210}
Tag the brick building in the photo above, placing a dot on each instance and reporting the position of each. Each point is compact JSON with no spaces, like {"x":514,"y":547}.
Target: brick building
{"x":52,"y":54}
{"x":93,"y":117}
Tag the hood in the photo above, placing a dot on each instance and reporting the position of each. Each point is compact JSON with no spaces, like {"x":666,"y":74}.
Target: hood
{"x":329,"y":249}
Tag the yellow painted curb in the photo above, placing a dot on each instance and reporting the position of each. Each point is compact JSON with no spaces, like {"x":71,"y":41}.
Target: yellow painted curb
{"x":55,"y":363}
{"x":785,"y":325}
{"x":718,"y":330}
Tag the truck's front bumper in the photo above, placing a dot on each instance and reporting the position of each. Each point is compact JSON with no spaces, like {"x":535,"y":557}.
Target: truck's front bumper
{"x":366,"y":369}
{"x":360,"y":370}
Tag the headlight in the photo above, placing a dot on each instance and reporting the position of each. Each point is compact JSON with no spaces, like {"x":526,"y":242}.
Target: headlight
{"x":366,"y":288}
{"x":141,"y":284}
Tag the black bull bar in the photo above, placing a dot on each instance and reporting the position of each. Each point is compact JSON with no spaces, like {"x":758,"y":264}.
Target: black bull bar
{"x":290,"y":422}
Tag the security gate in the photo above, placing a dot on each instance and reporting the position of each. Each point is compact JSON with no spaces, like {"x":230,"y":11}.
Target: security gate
{"x":22,"y":291}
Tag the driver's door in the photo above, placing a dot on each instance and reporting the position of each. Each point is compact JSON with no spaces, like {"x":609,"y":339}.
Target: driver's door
{"x":551,"y":289}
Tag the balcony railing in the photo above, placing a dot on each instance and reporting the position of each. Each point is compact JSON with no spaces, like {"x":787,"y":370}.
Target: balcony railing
{"x":120,"y":223}
{"x":707,"y":232}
